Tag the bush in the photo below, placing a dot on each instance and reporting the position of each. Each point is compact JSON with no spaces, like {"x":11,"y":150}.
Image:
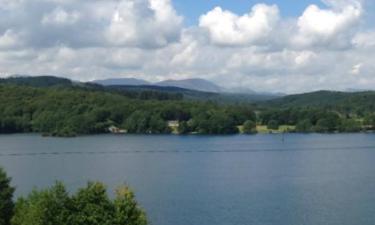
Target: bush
{"x":90,"y":205}
{"x":6,"y":195}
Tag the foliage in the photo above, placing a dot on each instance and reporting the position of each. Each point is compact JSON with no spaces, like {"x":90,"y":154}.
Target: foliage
{"x":60,"y":108}
{"x":6,"y":203}
{"x":329,"y":123}
{"x":359,"y":103}
{"x":249,"y":127}
{"x":370,"y":121}
{"x":350,"y":125}
{"x":70,"y":111}
{"x":273,"y":125}
{"x":90,"y":205}
{"x":304,"y":126}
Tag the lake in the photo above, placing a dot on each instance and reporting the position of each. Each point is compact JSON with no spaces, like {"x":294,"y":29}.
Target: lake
{"x":311,"y":179}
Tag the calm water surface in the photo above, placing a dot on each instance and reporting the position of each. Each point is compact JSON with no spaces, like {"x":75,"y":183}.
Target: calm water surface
{"x":204,"y":180}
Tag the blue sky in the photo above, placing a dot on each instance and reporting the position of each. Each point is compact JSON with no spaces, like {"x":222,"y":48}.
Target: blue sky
{"x":191,"y":10}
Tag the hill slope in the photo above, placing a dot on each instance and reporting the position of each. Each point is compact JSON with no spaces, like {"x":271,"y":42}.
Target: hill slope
{"x":38,"y":81}
{"x":327,"y":99}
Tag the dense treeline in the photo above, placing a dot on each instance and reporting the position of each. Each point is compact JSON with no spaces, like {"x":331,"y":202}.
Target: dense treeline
{"x":67,"y":111}
{"x":90,"y":205}
{"x":60,"y":107}
{"x":318,"y":120}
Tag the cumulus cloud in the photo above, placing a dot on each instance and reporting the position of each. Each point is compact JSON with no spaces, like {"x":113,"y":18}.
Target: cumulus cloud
{"x":227,"y":28}
{"x":139,"y":22}
{"x":330,"y":26}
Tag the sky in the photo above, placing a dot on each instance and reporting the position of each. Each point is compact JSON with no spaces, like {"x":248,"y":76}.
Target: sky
{"x":270,"y":46}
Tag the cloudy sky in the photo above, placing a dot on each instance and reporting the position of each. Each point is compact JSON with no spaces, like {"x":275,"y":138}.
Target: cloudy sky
{"x":271,"y":45}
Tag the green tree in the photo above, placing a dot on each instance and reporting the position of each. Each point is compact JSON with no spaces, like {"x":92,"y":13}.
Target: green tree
{"x":89,"y":206}
{"x":249,"y":127}
{"x":370,"y":121}
{"x":304,"y":126}
{"x":157,"y":125}
{"x":137,"y":122}
{"x":184,"y":128}
{"x":127,"y":211}
{"x":329,"y":123}
{"x":350,"y":125}
{"x":46,"y":207}
{"x":273,"y":125}
{"x":6,"y":195}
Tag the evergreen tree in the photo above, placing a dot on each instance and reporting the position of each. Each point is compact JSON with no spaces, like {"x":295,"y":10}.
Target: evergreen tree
{"x":6,"y":195}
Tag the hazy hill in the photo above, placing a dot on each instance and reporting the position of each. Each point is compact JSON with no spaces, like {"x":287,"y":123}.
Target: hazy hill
{"x":193,"y":84}
{"x":138,"y":91}
{"x":121,"y":81}
{"x":189,"y":94}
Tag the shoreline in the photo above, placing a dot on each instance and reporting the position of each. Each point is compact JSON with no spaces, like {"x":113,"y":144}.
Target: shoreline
{"x":184,"y":135}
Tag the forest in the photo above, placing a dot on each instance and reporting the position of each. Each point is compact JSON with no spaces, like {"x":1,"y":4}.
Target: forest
{"x":64,"y":109}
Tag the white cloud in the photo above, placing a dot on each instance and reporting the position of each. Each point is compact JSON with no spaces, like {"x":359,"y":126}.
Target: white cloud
{"x":141,"y":22}
{"x":227,"y":28}
{"x":356,"y":70}
{"x":9,"y":40}
{"x":319,"y":26}
{"x":60,"y":17}
{"x":364,"y":40}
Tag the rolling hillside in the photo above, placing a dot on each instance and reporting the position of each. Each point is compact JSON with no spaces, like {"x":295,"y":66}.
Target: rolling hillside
{"x":344,"y":101}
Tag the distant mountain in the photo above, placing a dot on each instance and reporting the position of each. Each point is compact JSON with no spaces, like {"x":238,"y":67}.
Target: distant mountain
{"x":189,"y":94}
{"x":192,"y":84}
{"x":121,"y":81}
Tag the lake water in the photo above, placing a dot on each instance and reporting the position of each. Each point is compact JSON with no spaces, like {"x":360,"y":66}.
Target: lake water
{"x":212,"y":180}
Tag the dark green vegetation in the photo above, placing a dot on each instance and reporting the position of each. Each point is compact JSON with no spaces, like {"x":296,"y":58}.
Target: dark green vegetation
{"x":60,"y":107}
{"x":71,"y":110}
{"x":249,"y":127}
{"x":322,"y":111}
{"x":90,"y":205}
{"x":358,"y":103}
{"x":6,"y":202}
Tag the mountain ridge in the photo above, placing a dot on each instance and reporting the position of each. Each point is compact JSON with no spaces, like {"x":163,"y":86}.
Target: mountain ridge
{"x":192,"y":84}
